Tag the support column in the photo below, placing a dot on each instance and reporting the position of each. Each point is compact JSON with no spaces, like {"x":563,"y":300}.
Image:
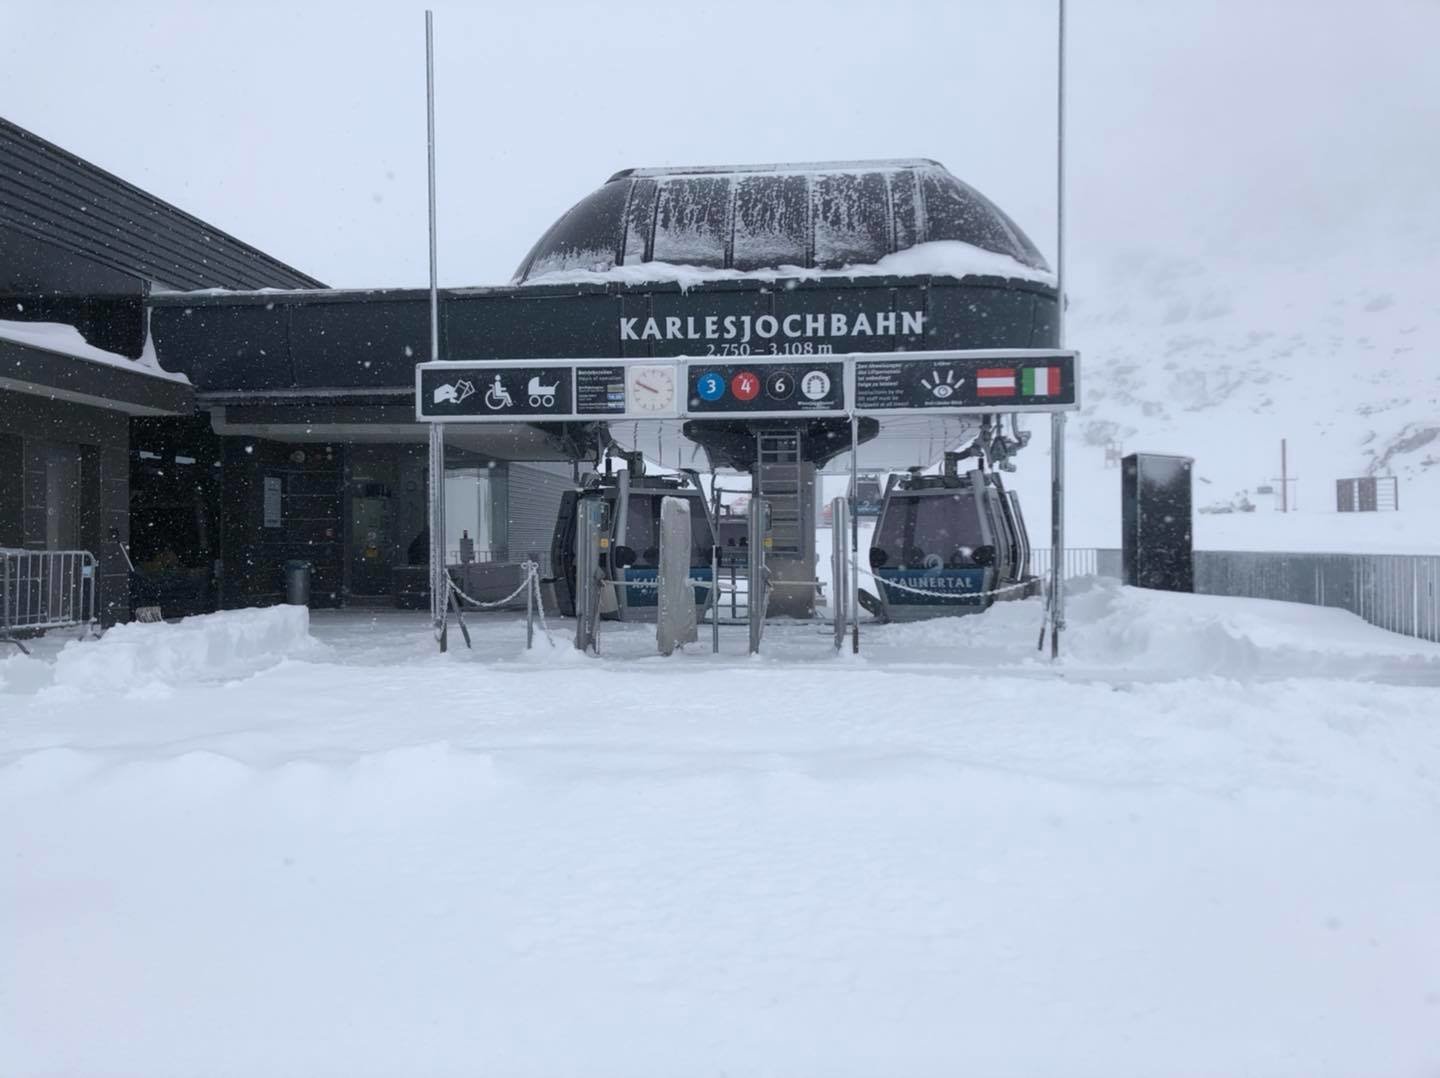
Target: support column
{"x":439,"y":578}
{"x":1057,"y":530}
{"x":854,"y":534}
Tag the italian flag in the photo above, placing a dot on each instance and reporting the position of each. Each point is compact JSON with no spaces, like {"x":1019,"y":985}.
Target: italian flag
{"x":995,"y":382}
{"x":1040,"y":381}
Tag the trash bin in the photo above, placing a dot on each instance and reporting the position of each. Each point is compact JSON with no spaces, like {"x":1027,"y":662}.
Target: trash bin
{"x":297,"y":583}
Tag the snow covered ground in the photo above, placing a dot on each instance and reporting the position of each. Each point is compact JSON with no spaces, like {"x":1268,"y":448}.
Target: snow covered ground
{"x":1202,"y":844}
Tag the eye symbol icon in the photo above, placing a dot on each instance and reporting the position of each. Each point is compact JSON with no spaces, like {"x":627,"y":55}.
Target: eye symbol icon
{"x":942,"y":388}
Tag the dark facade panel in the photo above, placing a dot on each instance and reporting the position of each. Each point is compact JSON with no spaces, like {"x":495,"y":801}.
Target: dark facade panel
{"x":984,"y":318}
{"x":40,"y":373}
{"x":525,"y":325}
{"x":56,"y":197}
{"x":233,"y":348}
{"x":95,"y":439}
{"x":357,"y":345}
{"x":12,"y":487}
{"x":309,"y":528}
{"x":325,"y":340}
{"x":42,"y":282}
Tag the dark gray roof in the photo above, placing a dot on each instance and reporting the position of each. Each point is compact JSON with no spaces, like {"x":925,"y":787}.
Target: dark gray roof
{"x":826,"y":215}
{"x":51,"y":195}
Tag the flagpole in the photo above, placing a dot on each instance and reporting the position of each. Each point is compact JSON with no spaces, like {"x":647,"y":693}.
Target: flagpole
{"x":1057,"y":419}
{"x":439,"y":578}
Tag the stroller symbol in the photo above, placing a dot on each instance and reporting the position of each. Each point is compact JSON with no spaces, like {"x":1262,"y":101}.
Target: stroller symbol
{"x":541,"y":396}
{"x":497,"y":396}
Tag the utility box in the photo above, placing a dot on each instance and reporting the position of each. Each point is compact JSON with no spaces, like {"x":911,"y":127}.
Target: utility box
{"x":1367,"y":494}
{"x":1157,"y":515}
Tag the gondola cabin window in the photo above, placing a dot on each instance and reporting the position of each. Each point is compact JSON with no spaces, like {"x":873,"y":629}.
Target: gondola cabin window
{"x":642,"y":530}
{"x":929,"y":531}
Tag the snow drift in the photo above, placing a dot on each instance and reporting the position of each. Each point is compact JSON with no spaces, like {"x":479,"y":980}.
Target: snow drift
{"x":212,"y":647}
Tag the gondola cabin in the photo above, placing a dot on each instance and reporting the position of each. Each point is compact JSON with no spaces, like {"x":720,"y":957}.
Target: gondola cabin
{"x":630,"y":559}
{"x":948,"y":544}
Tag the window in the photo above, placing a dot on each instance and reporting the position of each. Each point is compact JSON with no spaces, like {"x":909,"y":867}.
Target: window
{"x":920,"y":528}
{"x":62,"y":496}
{"x":642,"y":530}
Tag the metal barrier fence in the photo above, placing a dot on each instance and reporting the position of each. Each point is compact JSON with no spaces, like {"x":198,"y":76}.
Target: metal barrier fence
{"x":46,"y":589}
{"x":1079,"y":561}
{"x":1399,"y":592}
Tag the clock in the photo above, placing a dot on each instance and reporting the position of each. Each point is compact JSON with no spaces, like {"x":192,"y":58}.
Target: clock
{"x":650,"y":390}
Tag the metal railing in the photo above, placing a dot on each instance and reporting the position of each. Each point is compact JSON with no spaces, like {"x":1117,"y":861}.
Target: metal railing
{"x":1399,"y":592}
{"x":1079,"y":561}
{"x":46,"y":589}
{"x":478,"y":556}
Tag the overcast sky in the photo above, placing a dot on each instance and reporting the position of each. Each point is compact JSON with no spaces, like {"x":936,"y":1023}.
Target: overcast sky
{"x":1276,"y":129}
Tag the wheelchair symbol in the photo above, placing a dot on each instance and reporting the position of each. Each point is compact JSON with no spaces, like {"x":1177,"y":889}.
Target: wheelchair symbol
{"x":497,"y":396}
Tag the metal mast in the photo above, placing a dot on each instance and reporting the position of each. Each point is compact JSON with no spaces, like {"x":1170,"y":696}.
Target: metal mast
{"x":1057,"y":419}
{"x":439,"y":578}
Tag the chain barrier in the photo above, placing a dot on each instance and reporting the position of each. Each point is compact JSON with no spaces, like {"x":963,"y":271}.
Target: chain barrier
{"x":531,"y":581}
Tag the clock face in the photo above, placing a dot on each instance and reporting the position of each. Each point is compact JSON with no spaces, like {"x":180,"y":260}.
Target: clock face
{"x":650,"y":389}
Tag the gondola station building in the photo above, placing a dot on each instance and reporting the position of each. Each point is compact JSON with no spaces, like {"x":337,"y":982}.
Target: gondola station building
{"x":166,"y":386}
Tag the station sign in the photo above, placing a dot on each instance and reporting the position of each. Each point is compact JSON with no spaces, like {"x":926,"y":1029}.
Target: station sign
{"x":749,"y":387}
{"x":545,"y":391}
{"x":1006,"y":381}
{"x":756,"y":388}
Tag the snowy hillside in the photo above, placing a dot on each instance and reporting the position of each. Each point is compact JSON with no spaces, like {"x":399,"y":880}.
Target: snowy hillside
{"x":1221,"y":357}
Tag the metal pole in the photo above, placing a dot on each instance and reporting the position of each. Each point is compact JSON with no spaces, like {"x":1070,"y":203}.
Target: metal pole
{"x":1057,"y":419}
{"x":714,"y":562}
{"x":430,"y":153}
{"x":1284,"y":478}
{"x":439,"y":580}
{"x":854,"y":534}
{"x":529,"y":607}
{"x":1060,"y":184}
{"x":1057,"y":530}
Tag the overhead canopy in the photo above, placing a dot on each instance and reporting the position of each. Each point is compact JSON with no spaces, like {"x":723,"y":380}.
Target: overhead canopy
{"x":827,"y":215}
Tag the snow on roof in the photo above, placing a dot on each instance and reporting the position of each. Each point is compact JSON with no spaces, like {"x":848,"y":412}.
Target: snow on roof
{"x":941,"y":258}
{"x":798,"y":168}
{"x":66,"y":340}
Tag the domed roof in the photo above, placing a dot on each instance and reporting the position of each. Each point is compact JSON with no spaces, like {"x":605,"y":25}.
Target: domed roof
{"x":757,"y":217}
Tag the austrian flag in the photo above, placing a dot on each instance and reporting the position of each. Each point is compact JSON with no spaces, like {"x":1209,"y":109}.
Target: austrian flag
{"x":995,"y":382}
{"x":1040,"y":381}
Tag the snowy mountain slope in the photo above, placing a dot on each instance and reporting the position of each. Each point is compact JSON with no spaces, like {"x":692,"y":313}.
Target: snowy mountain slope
{"x":1343,"y":364}
{"x":1219,"y":357}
